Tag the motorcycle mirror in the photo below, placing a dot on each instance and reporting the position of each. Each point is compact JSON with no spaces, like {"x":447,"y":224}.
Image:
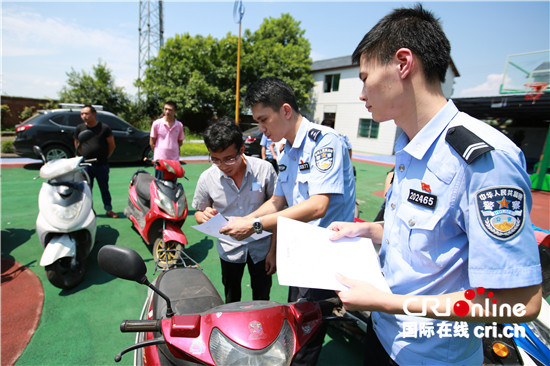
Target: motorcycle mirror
{"x":122,"y":262}
{"x":38,"y":151}
{"x":85,"y":135}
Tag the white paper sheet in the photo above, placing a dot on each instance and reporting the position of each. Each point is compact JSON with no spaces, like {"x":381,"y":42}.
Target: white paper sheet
{"x":212,"y":227}
{"x":306,"y":257}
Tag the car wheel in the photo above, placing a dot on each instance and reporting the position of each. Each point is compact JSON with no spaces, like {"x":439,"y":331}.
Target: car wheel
{"x":53,"y":152}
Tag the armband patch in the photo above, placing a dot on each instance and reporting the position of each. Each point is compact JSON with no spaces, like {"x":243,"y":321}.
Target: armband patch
{"x":466,"y":143}
{"x":324,"y":158}
{"x":282,"y":168}
{"x":501,"y":211}
{"x":314,"y":134}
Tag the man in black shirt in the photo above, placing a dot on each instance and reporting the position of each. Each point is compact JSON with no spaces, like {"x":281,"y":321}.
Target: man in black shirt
{"x":100,"y":147}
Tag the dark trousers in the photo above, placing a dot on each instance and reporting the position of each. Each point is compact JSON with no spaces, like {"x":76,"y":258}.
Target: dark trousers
{"x":375,"y":354}
{"x":309,"y":354}
{"x":101,"y":174}
{"x":232,"y":274}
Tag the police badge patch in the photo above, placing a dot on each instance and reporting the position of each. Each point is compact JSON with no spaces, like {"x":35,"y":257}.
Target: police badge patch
{"x":501,"y":211}
{"x":324,"y":158}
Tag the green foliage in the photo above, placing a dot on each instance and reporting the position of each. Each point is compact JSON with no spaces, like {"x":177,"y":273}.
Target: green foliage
{"x":199,"y":73}
{"x":7,"y":146}
{"x":6,"y":111}
{"x":278,"y":48}
{"x":97,"y":87}
{"x":26,"y":113}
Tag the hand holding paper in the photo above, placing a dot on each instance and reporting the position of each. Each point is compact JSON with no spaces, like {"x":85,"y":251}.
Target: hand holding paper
{"x":212,"y":227}
{"x":306,"y":257}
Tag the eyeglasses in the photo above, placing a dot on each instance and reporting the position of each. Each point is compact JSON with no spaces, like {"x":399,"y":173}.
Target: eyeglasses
{"x":230,"y":161}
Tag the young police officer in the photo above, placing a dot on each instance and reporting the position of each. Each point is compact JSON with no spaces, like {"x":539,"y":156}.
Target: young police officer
{"x":457,"y":214}
{"x":315,"y":179}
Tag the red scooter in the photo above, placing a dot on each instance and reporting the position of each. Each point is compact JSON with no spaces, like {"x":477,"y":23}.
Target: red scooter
{"x":158,"y":209}
{"x":192,"y":324}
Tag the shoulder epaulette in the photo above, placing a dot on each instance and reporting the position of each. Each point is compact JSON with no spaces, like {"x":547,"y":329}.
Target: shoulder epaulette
{"x":466,"y":143}
{"x":314,"y":134}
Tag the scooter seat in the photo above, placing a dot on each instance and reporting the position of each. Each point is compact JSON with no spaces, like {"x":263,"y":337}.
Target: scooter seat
{"x":143,"y":185}
{"x":190,"y":291}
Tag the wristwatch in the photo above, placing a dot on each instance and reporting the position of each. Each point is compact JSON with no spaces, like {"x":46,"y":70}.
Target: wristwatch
{"x":257,"y":225}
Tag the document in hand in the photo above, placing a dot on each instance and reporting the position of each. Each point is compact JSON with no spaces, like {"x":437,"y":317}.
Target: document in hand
{"x":306,"y":257}
{"x":212,"y":227}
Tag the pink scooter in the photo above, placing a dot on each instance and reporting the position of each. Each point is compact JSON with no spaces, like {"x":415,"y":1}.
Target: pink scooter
{"x":192,"y":324}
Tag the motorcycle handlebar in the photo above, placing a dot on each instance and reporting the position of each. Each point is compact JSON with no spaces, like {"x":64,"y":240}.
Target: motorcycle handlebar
{"x":141,"y":326}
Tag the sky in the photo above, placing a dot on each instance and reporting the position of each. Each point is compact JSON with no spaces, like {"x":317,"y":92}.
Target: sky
{"x":42,"y":40}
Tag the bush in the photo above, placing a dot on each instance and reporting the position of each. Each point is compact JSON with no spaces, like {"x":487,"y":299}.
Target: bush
{"x":7,"y":147}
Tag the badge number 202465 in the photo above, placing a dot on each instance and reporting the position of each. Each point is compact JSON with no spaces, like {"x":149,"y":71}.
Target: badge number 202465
{"x":501,"y":211}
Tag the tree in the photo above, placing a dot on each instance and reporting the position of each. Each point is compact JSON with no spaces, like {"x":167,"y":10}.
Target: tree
{"x":278,"y":48}
{"x":199,"y":73}
{"x":97,"y":87}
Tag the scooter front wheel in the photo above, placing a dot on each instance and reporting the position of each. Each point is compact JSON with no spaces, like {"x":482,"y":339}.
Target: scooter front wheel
{"x":166,"y":254}
{"x":63,"y":274}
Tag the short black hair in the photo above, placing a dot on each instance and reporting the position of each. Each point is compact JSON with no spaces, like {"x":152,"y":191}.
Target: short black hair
{"x":172,"y":104}
{"x":413,"y":28}
{"x":92,"y":109}
{"x":271,"y":92}
{"x":222,"y":133}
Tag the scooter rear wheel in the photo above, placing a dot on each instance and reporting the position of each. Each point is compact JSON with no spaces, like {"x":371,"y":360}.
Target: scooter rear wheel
{"x":165,"y":254}
{"x":61,"y":275}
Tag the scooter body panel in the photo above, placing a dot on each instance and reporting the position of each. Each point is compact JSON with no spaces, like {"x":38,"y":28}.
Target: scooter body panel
{"x":173,"y":233}
{"x":59,"y":247}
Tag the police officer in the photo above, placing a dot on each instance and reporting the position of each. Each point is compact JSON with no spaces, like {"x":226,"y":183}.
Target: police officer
{"x":315,"y":182}
{"x":456,"y":233}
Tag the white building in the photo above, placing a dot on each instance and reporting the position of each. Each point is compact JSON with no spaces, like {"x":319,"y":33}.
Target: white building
{"x":336,"y":97}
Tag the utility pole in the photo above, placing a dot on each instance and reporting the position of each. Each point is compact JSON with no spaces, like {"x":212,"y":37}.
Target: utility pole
{"x":151,"y":32}
{"x":238,"y":13}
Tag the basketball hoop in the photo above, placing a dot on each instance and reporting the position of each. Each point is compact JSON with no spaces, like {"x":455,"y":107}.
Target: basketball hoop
{"x":538,"y":88}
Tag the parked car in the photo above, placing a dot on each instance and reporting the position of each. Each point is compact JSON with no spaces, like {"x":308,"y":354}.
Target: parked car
{"x":252,"y":138}
{"x":53,"y":131}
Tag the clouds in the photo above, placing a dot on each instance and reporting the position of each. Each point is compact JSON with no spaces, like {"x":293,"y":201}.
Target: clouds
{"x":39,"y":50}
{"x":490,"y":87}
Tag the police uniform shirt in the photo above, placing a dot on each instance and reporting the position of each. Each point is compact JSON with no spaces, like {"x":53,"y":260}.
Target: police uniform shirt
{"x":457,"y":218}
{"x":318,"y":163}
{"x":217,"y":190}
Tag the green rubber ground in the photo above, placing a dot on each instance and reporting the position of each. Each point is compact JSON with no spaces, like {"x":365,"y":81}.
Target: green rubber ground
{"x":81,"y":326}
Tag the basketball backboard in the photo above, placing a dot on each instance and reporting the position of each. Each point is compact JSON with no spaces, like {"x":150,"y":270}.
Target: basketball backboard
{"x":527,"y":73}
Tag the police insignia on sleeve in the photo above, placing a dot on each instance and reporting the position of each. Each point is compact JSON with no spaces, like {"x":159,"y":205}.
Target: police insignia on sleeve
{"x":501,"y":211}
{"x":324,"y":158}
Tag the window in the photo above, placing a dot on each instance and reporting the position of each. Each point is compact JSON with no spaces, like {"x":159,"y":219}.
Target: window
{"x":368,"y":128}
{"x":332,"y":83}
{"x":113,"y":122}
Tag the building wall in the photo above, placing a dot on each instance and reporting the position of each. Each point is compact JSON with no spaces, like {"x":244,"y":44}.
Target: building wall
{"x":349,"y":110}
{"x":17,"y":105}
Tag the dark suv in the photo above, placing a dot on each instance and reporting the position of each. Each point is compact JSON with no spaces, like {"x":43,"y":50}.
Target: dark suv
{"x":53,"y":131}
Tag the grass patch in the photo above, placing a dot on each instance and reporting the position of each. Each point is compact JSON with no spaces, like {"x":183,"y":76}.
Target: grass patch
{"x":193,"y":149}
{"x":7,"y":147}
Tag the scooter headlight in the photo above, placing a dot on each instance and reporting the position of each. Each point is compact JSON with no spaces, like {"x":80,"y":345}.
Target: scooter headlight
{"x":182,"y":204}
{"x":165,"y":203}
{"x":226,"y":352}
{"x":67,"y":213}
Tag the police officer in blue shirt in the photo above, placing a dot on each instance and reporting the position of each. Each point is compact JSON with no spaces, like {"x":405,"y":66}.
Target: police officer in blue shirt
{"x":456,"y":235}
{"x":315,"y":182}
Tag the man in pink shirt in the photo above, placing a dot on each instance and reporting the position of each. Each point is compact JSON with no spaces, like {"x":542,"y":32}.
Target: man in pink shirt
{"x":166,"y":136}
